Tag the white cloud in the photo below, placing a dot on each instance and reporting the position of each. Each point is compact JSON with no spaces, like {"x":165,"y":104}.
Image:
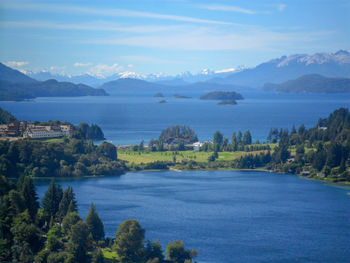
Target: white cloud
{"x":16,"y":64}
{"x":80,"y":64}
{"x":104,"y":70}
{"x":281,"y":7}
{"x":111,"y":12}
{"x":227,"y":8}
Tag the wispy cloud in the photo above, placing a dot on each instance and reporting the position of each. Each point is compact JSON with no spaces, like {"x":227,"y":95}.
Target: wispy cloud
{"x":92,"y":26}
{"x":110,"y":12}
{"x":227,"y":8}
{"x":80,"y":64}
{"x":16,"y":64}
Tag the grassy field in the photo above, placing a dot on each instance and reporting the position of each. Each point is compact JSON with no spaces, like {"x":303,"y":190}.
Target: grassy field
{"x":147,"y":157}
{"x":109,"y":255}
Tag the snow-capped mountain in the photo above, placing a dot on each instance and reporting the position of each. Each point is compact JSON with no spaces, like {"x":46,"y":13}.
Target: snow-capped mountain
{"x":291,"y":67}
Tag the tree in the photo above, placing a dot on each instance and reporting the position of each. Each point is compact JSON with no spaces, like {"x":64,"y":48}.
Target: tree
{"x":129,"y":242}
{"x":108,"y":150}
{"x":78,"y":243}
{"x":247,"y":138}
{"x":176,"y":252}
{"x":52,"y":199}
{"x":26,"y":238}
{"x":218,"y":140}
{"x":97,"y":256}
{"x":94,"y":224}
{"x":153,"y":250}
{"x":70,"y":220}
{"x":68,"y":199}
{"x":30,"y":197}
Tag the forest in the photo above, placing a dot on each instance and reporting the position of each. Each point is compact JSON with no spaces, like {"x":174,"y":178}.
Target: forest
{"x":53,"y":232}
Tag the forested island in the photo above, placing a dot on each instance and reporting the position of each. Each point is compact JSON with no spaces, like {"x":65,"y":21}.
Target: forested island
{"x":53,"y":231}
{"x":227,"y":98}
{"x":178,"y":96}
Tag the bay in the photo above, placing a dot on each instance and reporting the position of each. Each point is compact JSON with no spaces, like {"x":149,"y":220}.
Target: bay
{"x":228,"y":216}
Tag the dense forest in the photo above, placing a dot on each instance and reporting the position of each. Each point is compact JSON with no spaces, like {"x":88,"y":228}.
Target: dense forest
{"x":53,"y":232}
{"x":175,"y":135}
{"x":69,"y":158}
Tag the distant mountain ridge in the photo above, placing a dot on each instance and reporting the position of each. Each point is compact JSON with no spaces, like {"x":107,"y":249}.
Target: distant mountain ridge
{"x":16,"y":86}
{"x":291,"y":67}
{"x":312,"y":83}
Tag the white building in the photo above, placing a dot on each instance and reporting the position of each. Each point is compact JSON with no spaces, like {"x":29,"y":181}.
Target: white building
{"x":43,"y":132}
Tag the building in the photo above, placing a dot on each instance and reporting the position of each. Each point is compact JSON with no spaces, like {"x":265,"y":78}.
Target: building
{"x":44,"y":132}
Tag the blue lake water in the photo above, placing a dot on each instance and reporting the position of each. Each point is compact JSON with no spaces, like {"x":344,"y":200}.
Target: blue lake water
{"x":227,"y":216}
{"x":128,"y":118}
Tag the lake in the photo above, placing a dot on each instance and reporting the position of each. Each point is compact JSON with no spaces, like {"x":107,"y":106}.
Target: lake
{"x":228,"y":216}
{"x":129,"y":118}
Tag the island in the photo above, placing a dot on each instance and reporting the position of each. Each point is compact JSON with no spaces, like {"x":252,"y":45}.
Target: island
{"x":226,"y":97}
{"x":163,"y":102}
{"x":227,"y":102}
{"x":158,"y":95}
{"x":178,"y":96}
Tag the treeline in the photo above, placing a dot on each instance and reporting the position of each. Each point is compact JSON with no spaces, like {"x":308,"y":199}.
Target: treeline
{"x":55,"y":233}
{"x":321,"y":151}
{"x":239,"y":142}
{"x":87,"y":132}
{"x":70,"y":158}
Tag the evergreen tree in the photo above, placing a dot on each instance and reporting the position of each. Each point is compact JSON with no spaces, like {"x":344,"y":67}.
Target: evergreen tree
{"x":78,"y":243}
{"x":129,"y":242}
{"x":94,"y":224}
{"x":51,"y":200}
{"x":30,"y":197}
{"x":153,"y":250}
{"x":68,"y":199}
{"x":247,"y":138}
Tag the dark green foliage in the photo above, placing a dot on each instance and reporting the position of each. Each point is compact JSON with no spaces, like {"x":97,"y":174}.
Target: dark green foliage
{"x":129,"y":242}
{"x":97,"y":256}
{"x":28,"y":193}
{"x":94,"y":224}
{"x":6,"y":117}
{"x":68,"y":203}
{"x":153,"y":250}
{"x":51,"y":200}
{"x":62,"y":159}
{"x":78,"y":243}
{"x":70,"y":220}
{"x":247,"y":138}
{"x":84,"y":131}
{"x":178,"y":134}
{"x":176,"y":252}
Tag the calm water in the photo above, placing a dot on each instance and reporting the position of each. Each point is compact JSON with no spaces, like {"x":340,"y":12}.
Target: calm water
{"x":129,"y":118}
{"x":226,"y":216}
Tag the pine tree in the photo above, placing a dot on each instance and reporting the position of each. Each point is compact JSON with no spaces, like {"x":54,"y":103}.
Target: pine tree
{"x":52,"y":199}
{"x":30,"y":197}
{"x":68,"y":202}
{"x":94,"y":224}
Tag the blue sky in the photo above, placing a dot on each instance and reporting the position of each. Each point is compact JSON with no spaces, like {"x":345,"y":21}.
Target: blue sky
{"x":165,"y":36}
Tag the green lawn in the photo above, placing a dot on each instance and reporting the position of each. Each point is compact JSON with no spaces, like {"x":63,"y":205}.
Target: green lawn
{"x":109,"y":256}
{"x":147,"y":157}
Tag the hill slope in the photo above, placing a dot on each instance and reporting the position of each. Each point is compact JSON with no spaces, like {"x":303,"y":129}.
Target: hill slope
{"x":14,"y":76}
{"x":312,"y":84}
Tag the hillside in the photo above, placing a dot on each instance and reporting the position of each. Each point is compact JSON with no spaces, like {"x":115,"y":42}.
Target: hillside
{"x":14,"y":76}
{"x":311,"y":84}
{"x":282,"y":69}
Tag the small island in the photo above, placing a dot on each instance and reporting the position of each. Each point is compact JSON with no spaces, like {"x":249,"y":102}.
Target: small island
{"x":227,"y":102}
{"x":162,"y":102}
{"x":178,"y":96}
{"x":158,"y":95}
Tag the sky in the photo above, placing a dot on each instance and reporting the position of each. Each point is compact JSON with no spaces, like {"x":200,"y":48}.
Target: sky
{"x":102,"y":38}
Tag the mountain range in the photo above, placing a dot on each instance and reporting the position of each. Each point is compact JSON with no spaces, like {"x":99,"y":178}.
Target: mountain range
{"x":274,"y":71}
